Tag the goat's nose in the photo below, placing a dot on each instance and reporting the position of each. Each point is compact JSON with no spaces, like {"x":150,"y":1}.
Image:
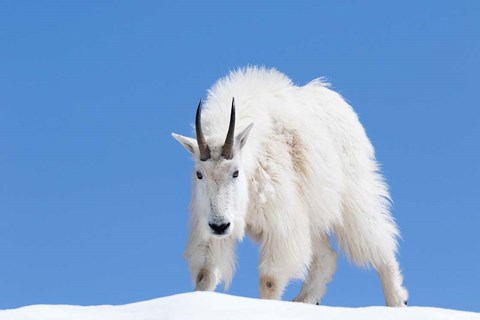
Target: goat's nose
{"x":219,"y":228}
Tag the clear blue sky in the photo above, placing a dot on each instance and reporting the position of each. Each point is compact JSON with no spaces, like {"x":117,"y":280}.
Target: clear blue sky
{"x":94,"y":192}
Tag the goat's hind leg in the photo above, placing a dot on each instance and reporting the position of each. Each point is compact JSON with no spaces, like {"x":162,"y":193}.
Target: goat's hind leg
{"x":322,"y":268}
{"x":395,"y":294}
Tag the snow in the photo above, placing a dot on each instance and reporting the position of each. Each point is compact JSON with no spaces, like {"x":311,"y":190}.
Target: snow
{"x":211,"y":305}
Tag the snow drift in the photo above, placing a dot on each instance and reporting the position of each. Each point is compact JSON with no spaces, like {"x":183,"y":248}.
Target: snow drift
{"x":211,"y":305}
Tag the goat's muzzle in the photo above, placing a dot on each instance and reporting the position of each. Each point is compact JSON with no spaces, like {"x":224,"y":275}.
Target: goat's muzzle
{"x":220,"y":229}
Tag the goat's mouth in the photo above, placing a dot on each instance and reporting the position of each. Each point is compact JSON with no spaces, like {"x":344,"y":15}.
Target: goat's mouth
{"x":220,"y":230}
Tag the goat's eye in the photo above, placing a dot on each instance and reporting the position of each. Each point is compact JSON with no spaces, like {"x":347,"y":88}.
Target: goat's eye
{"x":235,"y":173}
{"x":199,"y":175}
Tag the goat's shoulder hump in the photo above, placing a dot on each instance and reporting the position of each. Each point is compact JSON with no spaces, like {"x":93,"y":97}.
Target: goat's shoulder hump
{"x":250,"y":80}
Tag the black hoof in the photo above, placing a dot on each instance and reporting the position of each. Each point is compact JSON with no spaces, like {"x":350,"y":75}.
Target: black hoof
{"x":405,"y":302}
{"x":318,"y":303}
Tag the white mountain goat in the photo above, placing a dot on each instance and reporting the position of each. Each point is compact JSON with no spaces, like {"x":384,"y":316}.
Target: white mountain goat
{"x":308,"y":170}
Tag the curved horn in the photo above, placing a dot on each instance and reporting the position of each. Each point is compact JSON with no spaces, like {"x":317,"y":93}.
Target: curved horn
{"x":227,"y":151}
{"x":202,"y":143}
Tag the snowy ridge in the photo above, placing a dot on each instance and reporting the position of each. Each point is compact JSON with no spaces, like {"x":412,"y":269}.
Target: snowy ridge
{"x":211,"y":305}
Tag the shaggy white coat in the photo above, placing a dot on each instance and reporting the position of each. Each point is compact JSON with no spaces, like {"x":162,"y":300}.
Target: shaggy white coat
{"x":307,"y":170}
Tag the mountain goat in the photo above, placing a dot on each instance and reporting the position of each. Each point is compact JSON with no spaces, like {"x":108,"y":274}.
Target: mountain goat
{"x":304,"y":171}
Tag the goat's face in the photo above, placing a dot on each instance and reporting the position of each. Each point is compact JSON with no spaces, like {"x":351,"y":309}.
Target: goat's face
{"x":220,"y":195}
{"x":220,"y":187}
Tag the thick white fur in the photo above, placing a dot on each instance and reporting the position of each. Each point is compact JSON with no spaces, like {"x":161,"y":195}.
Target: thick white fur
{"x":307,"y":170}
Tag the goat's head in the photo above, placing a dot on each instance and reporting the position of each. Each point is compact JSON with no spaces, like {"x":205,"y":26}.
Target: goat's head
{"x":220,"y":187}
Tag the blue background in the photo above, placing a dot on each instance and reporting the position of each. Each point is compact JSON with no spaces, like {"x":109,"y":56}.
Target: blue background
{"x":94,"y":192}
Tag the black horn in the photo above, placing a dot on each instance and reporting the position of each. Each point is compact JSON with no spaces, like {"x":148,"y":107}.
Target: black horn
{"x":202,"y":143}
{"x":227,"y":151}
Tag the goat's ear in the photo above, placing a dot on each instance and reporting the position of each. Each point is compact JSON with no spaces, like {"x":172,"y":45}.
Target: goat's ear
{"x":241,"y":139}
{"x":188,"y":143}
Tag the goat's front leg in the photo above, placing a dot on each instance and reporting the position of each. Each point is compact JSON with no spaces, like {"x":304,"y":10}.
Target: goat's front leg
{"x":273,"y":278}
{"x":272,"y":286}
{"x":211,"y":262}
{"x":206,"y":279}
